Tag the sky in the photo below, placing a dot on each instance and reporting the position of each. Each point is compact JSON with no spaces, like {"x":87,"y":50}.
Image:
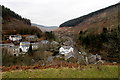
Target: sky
{"x":55,"y":12}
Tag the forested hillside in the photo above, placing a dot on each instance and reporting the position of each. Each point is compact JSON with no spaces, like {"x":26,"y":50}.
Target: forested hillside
{"x":13,"y":23}
{"x":77,"y":21}
{"x":7,"y":13}
{"x":96,"y":33}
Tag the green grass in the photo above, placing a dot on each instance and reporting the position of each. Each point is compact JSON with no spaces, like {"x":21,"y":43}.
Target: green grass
{"x":87,"y":72}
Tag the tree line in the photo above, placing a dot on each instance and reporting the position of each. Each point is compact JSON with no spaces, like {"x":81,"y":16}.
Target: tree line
{"x":20,"y":25}
{"x":6,"y":12}
{"x":106,"y":43}
{"x":77,"y":21}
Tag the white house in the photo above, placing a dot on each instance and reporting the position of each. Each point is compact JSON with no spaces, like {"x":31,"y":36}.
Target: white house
{"x":35,"y":46}
{"x":67,"y":51}
{"x":24,"y":46}
{"x":15,"y":37}
{"x":31,"y":38}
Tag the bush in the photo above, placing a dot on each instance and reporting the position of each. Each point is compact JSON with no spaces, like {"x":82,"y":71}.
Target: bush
{"x":50,"y":35}
{"x":107,"y":42}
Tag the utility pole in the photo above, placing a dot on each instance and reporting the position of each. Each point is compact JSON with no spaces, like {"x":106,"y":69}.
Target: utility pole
{"x":117,"y":33}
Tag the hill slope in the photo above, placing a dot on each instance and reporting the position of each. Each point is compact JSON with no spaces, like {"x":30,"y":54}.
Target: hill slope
{"x":13,"y":23}
{"x":93,"y":22}
{"x":96,"y":33}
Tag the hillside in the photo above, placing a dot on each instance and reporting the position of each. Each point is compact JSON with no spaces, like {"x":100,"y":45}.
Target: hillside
{"x":13,"y":23}
{"x":96,"y":33}
{"x":93,"y":22}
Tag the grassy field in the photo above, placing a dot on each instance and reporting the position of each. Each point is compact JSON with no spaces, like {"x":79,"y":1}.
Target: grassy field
{"x":82,"y":72}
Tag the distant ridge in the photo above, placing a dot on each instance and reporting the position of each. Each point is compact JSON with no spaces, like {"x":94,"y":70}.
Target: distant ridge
{"x":45,"y":28}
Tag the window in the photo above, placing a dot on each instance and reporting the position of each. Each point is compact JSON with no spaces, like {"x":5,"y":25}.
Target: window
{"x":14,"y":54}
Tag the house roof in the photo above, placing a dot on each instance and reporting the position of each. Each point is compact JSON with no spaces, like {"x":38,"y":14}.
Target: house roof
{"x":15,"y":47}
{"x":44,"y":41}
{"x":24,"y":43}
{"x":35,"y":44}
{"x":66,"y":47}
{"x":31,"y":36}
{"x":54,"y":42}
{"x":15,"y":35}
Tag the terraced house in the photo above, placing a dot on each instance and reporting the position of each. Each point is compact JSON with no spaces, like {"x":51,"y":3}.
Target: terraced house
{"x":15,"y":37}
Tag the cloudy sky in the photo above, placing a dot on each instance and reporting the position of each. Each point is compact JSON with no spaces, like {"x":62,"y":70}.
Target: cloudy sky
{"x":55,"y":12}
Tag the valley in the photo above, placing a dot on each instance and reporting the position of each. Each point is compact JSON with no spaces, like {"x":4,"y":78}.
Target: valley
{"x":87,"y":44}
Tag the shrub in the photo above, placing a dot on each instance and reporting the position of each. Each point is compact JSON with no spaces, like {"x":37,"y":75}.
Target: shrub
{"x":107,"y":42}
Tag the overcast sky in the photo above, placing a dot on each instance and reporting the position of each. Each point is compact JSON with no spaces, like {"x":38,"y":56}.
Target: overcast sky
{"x":55,"y":12}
